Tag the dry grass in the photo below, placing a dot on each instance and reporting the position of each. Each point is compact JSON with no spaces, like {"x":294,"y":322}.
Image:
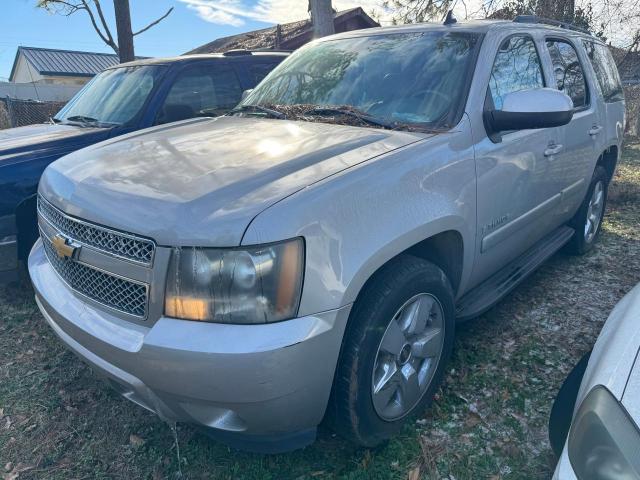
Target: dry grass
{"x":489,"y":420}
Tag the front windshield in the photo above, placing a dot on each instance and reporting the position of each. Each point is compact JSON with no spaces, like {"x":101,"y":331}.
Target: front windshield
{"x":399,"y":78}
{"x":114,"y":96}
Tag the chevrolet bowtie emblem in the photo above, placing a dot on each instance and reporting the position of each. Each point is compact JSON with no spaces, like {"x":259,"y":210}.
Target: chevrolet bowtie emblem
{"x":64,"y":247}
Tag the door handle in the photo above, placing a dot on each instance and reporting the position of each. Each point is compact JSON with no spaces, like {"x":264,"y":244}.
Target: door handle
{"x":595,"y":130}
{"x":552,"y":150}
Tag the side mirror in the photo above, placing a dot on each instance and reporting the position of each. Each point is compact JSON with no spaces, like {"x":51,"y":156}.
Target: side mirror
{"x":534,"y":108}
{"x":246,"y":93}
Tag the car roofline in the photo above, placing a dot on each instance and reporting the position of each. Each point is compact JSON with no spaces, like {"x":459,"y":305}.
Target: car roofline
{"x":202,"y":56}
{"x":481,"y":26}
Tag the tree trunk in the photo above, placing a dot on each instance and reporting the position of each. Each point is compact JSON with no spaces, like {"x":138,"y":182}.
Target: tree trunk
{"x":322,"y":18}
{"x":563,"y":10}
{"x":123,"y":26}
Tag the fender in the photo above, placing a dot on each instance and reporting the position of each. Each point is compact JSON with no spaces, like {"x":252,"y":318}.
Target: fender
{"x":356,"y":221}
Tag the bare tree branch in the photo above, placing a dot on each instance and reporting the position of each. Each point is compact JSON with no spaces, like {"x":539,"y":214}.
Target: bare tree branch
{"x":153,"y":23}
{"x":97,"y":17}
{"x":103,"y":20}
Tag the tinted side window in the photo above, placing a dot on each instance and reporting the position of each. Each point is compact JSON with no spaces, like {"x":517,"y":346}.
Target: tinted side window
{"x":260,"y":70}
{"x":568,"y":71}
{"x":201,"y":92}
{"x":605,"y":70}
{"x":516,"y":67}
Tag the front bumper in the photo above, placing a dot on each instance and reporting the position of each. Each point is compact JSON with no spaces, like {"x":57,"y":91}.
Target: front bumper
{"x":245,"y":381}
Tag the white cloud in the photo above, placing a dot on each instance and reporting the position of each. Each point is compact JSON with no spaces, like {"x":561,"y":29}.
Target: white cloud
{"x":237,"y":12}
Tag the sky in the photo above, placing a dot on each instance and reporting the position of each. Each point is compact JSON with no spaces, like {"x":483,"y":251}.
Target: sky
{"x":191,"y":24}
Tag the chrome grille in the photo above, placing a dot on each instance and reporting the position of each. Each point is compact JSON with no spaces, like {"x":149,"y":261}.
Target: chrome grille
{"x":130,"y":247}
{"x":118,"y":293}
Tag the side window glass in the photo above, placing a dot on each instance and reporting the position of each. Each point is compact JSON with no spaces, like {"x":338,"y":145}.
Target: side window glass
{"x":201,"y":92}
{"x":260,"y":70}
{"x":606,"y":71}
{"x":516,"y":67}
{"x":568,"y":72}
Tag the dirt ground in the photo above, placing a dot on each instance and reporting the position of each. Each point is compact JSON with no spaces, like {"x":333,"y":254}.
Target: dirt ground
{"x":489,"y":420}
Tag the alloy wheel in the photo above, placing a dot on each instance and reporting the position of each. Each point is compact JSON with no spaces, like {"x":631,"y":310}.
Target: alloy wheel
{"x":408,"y":356}
{"x":594,"y":212}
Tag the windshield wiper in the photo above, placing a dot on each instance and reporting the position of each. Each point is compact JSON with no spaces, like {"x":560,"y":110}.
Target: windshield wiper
{"x":82,"y":119}
{"x":351,"y":112}
{"x":87,"y":121}
{"x":258,"y":108}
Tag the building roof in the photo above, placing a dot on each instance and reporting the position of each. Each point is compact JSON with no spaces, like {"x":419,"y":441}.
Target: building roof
{"x":628,"y":65}
{"x":292,"y":35}
{"x":71,"y":63}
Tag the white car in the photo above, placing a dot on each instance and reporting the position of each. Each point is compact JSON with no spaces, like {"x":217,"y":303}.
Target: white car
{"x":603,"y":441}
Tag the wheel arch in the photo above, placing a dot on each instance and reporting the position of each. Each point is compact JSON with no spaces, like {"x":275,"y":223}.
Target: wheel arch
{"x":445,"y":249}
{"x":609,"y":160}
{"x":26,"y":225}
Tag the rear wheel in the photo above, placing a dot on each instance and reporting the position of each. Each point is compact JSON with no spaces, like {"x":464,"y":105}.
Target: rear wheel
{"x":398,"y":340}
{"x":588,"y":220}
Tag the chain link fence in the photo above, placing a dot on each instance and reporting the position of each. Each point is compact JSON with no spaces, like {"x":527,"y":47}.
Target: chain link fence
{"x":17,"y":113}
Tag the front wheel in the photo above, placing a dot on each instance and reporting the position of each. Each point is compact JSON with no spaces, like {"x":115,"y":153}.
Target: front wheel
{"x":398,"y":341}
{"x":587,"y":222}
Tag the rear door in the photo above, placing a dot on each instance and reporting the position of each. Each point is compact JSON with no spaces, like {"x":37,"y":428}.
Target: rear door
{"x":254,"y":69}
{"x":571,"y":168}
{"x":204,"y":89}
{"x":610,"y":92}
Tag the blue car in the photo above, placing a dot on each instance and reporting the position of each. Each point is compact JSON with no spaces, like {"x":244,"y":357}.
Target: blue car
{"x":119,"y":100}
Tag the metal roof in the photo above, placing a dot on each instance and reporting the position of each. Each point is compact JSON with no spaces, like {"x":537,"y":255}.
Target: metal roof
{"x":71,"y":63}
{"x":293,"y":34}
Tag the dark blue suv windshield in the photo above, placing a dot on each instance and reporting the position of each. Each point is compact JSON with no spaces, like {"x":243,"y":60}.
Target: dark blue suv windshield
{"x":114,"y":96}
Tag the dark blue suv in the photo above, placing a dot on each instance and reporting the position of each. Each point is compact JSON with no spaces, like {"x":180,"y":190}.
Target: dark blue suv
{"x":117,"y":101}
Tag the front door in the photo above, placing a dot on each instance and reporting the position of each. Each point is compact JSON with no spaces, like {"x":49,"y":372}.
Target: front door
{"x":515,"y":198}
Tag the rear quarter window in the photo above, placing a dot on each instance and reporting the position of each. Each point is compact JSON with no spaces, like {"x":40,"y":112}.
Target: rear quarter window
{"x":606,"y":71}
{"x":258,"y":71}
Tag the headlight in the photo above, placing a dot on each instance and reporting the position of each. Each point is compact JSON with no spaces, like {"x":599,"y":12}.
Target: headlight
{"x":258,"y":284}
{"x":604,"y":442}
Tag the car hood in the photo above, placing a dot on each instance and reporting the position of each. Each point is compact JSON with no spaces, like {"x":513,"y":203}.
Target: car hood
{"x":200,"y":183}
{"x":631,"y":395}
{"x":15,"y":142}
{"x":612,"y":360}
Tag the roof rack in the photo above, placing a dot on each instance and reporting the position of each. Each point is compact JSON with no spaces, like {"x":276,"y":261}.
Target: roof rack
{"x":236,"y":52}
{"x":549,"y":21}
{"x":239,"y":52}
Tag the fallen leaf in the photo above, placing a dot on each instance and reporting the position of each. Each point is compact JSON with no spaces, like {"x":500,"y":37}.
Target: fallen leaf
{"x":472,"y":420}
{"x":135,"y":440}
{"x":414,"y":474}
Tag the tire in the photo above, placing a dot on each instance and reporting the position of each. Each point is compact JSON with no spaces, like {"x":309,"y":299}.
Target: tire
{"x":562,"y":410}
{"x":583,"y":240}
{"x":399,"y":287}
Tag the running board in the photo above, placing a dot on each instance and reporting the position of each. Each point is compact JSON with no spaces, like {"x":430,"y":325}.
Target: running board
{"x":492,"y":290}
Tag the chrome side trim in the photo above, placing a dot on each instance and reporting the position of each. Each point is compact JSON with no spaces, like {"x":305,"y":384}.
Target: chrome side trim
{"x":504,"y":232}
{"x":571,"y":189}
